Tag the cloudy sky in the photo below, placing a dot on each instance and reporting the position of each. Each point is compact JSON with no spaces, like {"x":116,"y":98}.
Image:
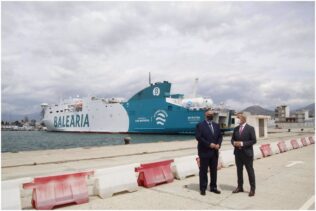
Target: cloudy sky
{"x":243,"y":53}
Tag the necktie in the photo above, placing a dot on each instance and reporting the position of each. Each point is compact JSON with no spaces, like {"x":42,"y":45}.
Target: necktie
{"x":211,"y":126}
{"x":240,"y":129}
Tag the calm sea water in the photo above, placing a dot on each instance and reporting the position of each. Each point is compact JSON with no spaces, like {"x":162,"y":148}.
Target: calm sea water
{"x":14,"y":141}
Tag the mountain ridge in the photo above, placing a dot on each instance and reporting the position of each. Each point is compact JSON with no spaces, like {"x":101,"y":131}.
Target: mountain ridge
{"x":258,"y":110}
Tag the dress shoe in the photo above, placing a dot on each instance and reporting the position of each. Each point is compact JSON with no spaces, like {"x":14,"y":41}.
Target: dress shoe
{"x":216,"y":191}
{"x":202,"y":192}
{"x":238,"y":189}
{"x":251,"y":193}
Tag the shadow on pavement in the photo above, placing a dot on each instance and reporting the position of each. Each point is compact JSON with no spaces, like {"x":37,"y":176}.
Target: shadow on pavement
{"x":196,"y":187}
{"x":227,"y":187}
{"x":193,"y":186}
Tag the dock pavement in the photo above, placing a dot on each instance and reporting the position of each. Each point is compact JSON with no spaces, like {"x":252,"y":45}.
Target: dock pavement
{"x":284,"y":181}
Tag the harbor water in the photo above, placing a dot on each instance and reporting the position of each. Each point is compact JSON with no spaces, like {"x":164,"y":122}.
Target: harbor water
{"x":15,"y":141}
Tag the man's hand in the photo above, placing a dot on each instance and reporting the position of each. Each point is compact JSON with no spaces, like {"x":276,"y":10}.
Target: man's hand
{"x":212,"y":146}
{"x":237,"y":144}
{"x":217,"y":146}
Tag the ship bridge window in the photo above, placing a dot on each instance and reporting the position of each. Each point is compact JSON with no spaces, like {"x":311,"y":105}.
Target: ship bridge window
{"x":61,"y":111}
{"x":50,"y":112}
{"x":57,"y":111}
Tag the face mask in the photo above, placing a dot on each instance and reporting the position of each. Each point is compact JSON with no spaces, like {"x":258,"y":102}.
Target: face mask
{"x":237,"y":121}
{"x":209,"y":117}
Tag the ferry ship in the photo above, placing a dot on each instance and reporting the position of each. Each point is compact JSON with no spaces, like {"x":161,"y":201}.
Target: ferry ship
{"x":151,"y":110}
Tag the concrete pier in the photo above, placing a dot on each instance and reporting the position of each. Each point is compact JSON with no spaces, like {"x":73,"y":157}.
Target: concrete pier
{"x":281,"y":184}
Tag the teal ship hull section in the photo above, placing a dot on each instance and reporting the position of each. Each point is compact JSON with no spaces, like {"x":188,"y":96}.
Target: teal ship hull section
{"x":149,"y":112}
{"x":161,"y":117}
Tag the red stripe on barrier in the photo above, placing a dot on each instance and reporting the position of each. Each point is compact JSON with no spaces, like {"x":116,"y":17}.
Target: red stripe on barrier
{"x":295,"y":144}
{"x":282,"y":146}
{"x":266,"y":150}
{"x":152,"y":174}
{"x":311,"y":140}
{"x":51,"y":191}
{"x":304,"y":142}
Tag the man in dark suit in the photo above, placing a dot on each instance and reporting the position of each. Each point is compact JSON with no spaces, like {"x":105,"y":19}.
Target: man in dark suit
{"x":243,"y":139}
{"x":209,"y":137}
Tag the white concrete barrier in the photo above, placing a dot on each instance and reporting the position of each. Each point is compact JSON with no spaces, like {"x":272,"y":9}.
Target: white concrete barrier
{"x":257,"y":154}
{"x":304,"y":141}
{"x":299,"y":141}
{"x":115,"y":179}
{"x":185,"y":166}
{"x":274,"y":147}
{"x":227,"y":158}
{"x":289,"y":145}
{"x":219,"y":163}
{"x":10,"y":193}
{"x":308,"y":141}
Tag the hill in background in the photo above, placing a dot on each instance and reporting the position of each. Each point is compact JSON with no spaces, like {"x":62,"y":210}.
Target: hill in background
{"x":258,"y":110}
{"x":310,"y":108}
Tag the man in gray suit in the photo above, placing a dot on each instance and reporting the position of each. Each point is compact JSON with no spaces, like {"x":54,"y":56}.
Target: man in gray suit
{"x":243,"y":139}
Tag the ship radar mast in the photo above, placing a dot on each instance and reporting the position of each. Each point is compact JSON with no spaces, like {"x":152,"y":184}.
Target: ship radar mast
{"x":195,"y":87}
{"x":149,"y":79}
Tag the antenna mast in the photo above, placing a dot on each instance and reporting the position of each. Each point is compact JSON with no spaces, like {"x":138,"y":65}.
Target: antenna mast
{"x":195,"y":87}
{"x":149,"y":79}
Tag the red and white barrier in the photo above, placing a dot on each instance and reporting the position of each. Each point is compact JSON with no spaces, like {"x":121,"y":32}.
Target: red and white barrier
{"x":295,"y":144}
{"x":282,"y":146}
{"x":156,"y":173}
{"x":311,"y":139}
{"x":62,"y":189}
{"x":266,"y":150}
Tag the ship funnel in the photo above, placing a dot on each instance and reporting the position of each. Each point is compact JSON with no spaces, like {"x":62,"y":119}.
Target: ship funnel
{"x":44,"y":107}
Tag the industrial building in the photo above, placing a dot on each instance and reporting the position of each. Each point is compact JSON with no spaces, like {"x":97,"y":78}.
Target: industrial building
{"x":282,"y":115}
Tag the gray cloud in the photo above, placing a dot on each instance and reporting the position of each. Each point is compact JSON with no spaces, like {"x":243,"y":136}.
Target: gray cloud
{"x":244,"y":53}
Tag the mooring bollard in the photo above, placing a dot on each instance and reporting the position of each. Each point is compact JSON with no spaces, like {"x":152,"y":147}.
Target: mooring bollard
{"x":127,"y":140}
